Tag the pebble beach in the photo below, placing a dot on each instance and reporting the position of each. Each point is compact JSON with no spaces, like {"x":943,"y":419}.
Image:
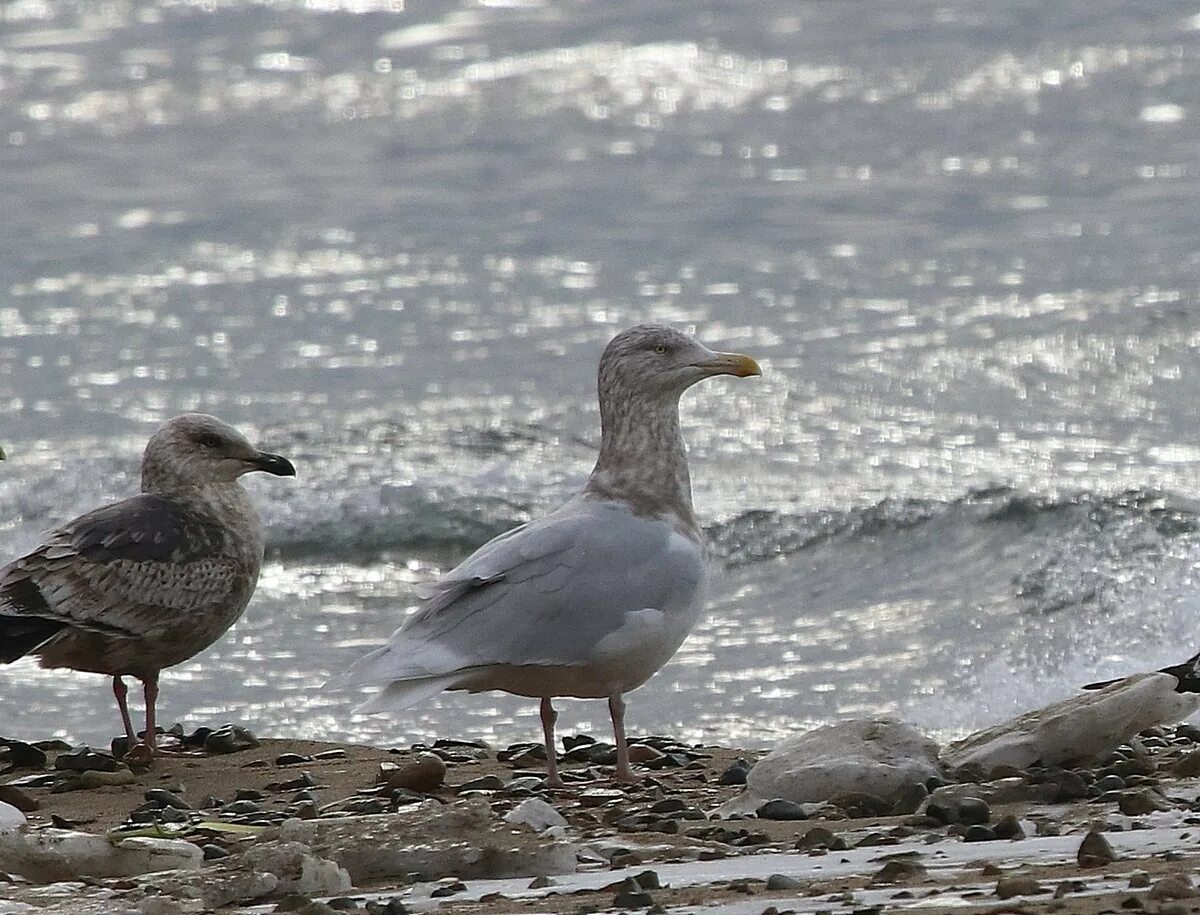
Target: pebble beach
{"x":461,"y":827}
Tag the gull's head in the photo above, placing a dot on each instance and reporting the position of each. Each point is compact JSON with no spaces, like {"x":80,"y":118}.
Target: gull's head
{"x":655,"y":359}
{"x":195,"y":448}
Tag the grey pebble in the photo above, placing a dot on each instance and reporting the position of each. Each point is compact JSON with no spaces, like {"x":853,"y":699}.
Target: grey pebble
{"x":779,"y":809}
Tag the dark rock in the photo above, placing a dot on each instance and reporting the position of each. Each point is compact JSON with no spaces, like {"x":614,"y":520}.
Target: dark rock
{"x":449,"y":889}
{"x":820,"y":837}
{"x":391,"y":907}
{"x":342,"y":903}
{"x":900,"y":870}
{"x":1094,"y":850}
{"x":648,"y":880}
{"x":423,"y":772}
{"x":325,"y":755}
{"x":11,"y":794}
{"x":735,"y":774}
{"x":1139,"y":880}
{"x":249,"y":794}
{"x":910,"y":799}
{"x":943,"y":813}
{"x":1008,"y":887}
{"x":1187,"y":731}
{"x":872,"y":839}
{"x":213,"y":852}
{"x":861,"y":804}
{"x":1111,"y":783}
{"x":237,"y":808}
{"x":21,"y":755}
{"x":669,"y":805}
{"x":1173,"y":886}
{"x":1009,"y":827}
{"x":779,"y":809}
{"x":85,"y":759}
{"x":485,"y":783}
{"x":1071,"y":787}
{"x":571,"y":741}
{"x":229,"y":738}
{"x":1187,"y":766}
{"x":534,"y":751}
{"x":164,"y":798}
{"x":303,"y":780}
{"x":1132,"y":902}
{"x":292,"y":759}
{"x":631,"y":895}
{"x":973,"y":811}
{"x":1139,"y":803}
{"x":978,"y":833}
{"x":783,"y":882}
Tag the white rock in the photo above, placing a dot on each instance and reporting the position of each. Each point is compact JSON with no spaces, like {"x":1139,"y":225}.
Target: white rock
{"x":298,"y":869}
{"x":10,"y":817}
{"x":434,"y":841}
{"x":50,"y":855}
{"x":536,"y":813}
{"x":1077,"y":729}
{"x":876,"y":755}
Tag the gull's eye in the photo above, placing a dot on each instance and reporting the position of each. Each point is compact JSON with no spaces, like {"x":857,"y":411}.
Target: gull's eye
{"x":660,"y":349}
{"x":208,"y":440}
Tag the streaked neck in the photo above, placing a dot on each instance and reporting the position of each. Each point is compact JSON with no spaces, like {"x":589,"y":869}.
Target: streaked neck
{"x":642,"y":456}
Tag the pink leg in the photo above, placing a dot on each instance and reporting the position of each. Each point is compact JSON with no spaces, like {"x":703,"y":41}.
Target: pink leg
{"x":616,"y":708}
{"x":549,"y":717}
{"x":120,"y":690}
{"x":150,"y":689}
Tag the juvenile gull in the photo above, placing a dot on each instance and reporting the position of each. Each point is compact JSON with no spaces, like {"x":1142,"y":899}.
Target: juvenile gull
{"x":592,"y":599}
{"x":146,"y":583}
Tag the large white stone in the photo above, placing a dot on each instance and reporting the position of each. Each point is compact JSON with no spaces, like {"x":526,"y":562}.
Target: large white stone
{"x":1080,"y":728}
{"x":10,"y":817}
{"x":535,"y":813}
{"x":50,"y":855}
{"x":876,"y":755}
{"x":460,"y":839}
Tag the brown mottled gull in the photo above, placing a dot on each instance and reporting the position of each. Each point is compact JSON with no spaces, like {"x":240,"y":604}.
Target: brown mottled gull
{"x":592,"y":599}
{"x":146,"y":583}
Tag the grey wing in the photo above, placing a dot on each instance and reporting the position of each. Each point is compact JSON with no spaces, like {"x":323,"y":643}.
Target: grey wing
{"x":550,"y":594}
{"x":127,"y":569}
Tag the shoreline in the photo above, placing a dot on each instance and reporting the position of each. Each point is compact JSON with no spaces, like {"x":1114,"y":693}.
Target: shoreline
{"x":350,"y":805}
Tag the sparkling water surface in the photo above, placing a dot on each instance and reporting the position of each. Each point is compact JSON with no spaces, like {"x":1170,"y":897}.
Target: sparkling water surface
{"x":390,"y":239}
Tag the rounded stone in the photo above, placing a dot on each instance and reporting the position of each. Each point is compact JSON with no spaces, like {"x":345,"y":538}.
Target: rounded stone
{"x":422,"y":772}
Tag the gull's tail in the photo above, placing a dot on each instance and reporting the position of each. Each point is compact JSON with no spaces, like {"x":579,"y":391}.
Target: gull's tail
{"x":407,"y":672}
{"x":1187,"y":673}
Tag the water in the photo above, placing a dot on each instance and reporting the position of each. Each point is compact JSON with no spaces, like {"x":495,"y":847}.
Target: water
{"x":391,"y":241}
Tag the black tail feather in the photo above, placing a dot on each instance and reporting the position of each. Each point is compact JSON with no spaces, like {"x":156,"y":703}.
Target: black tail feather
{"x":19,"y":635}
{"x":1187,"y":673}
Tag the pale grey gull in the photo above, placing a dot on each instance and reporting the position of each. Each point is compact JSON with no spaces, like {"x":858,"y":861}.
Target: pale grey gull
{"x":146,"y":583}
{"x":590,"y":600}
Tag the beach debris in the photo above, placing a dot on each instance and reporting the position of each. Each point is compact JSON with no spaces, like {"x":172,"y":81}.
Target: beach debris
{"x":1079,"y":729}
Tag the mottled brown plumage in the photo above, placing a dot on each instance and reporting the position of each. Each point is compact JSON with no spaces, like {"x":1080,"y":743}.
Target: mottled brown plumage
{"x":146,"y":583}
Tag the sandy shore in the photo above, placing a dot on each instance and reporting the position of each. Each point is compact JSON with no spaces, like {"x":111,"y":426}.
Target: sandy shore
{"x":658,"y":832}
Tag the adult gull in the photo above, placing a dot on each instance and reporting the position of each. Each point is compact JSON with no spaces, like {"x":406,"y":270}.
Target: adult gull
{"x":146,"y":583}
{"x":590,"y":600}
